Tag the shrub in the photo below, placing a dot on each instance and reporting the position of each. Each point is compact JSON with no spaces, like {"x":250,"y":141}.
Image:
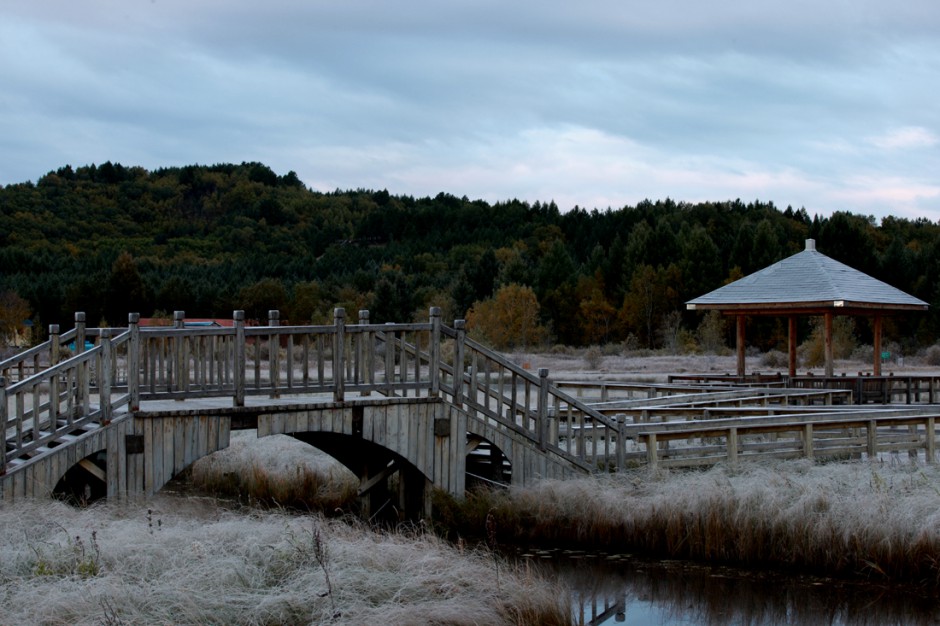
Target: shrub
{"x":932,"y":355}
{"x":775,"y":359}
{"x":593,"y":358}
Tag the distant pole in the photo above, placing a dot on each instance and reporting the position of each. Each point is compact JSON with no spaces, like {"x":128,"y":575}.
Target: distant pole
{"x":828,"y":323}
{"x":740,"y":346}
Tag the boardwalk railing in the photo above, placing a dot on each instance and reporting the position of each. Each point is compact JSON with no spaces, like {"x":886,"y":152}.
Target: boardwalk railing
{"x":865,"y":388}
{"x":839,"y":436}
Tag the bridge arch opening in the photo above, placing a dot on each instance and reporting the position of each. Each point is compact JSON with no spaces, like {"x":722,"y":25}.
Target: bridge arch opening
{"x":85,"y":482}
{"x":276,"y":469}
{"x":487,"y":464}
{"x":391,"y":488}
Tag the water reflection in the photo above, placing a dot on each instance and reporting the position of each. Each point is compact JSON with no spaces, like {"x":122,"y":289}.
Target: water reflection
{"x":623,"y":590}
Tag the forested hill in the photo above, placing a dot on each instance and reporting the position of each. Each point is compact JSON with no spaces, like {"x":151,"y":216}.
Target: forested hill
{"x":112,"y":239}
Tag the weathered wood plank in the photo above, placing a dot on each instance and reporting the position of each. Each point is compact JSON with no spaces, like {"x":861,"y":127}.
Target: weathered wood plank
{"x":379,"y":427}
{"x":392,"y":425}
{"x":458,"y":434}
{"x":169,"y":437}
{"x":113,"y":461}
{"x":179,"y":443}
{"x":421,"y":449}
{"x":347,"y":421}
{"x":225,"y":432}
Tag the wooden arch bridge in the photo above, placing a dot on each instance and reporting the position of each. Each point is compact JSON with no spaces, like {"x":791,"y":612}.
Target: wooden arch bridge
{"x":118,"y":412}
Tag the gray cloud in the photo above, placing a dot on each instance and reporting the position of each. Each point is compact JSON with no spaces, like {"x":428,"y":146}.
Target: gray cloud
{"x":597,"y":104}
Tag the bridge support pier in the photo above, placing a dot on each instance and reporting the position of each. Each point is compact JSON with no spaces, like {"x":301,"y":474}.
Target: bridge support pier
{"x":410,"y":498}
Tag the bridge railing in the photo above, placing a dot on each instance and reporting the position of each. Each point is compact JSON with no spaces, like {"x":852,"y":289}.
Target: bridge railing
{"x":40,"y":410}
{"x":839,"y":435}
{"x":41,"y":356}
{"x":182,"y":362}
{"x":507,"y":396}
{"x":113,"y":368}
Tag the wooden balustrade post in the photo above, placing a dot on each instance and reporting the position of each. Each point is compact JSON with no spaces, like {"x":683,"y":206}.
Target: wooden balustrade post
{"x":651,"y":450}
{"x":81,"y":373}
{"x":732,"y":445}
{"x":339,"y":348}
{"x":79,"y":332}
{"x":930,"y":439}
{"x":872,"y":439}
{"x":389,"y":361}
{"x":174,"y":373}
{"x":133,"y":361}
{"x":104,"y":376}
{"x":54,"y":347}
{"x":460,"y":326}
{"x":621,"y":441}
{"x":274,"y":352}
{"x":434,"y":367}
{"x":542,"y":409}
{"x":241,"y":361}
{"x":365,"y":353}
{"x":54,"y":381}
{"x":3,"y":421}
{"x":808,"y":441}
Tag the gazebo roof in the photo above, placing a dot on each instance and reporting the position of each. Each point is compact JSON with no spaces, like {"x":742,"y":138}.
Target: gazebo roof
{"x":810,"y":283}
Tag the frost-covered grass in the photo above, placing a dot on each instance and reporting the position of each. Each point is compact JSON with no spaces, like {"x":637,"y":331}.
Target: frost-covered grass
{"x":191,"y":561}
{"x":878,"y":521}
{"x":276,"y":470}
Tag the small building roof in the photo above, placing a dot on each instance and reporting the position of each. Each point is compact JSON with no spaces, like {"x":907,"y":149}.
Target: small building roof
{"x":808,"y":283}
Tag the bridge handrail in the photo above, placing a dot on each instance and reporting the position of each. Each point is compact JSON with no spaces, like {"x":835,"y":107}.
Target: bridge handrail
{"x":57,"y":400}
{"x":533,"y":412}
{"x":35,"y":353}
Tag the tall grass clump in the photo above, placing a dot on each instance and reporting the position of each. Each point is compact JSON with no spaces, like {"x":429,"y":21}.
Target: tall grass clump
{"x":875,"y":521}
{"x":205,"y":564}
{"x":275,"y":471}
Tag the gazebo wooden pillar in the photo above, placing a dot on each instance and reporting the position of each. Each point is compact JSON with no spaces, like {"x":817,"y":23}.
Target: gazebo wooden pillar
{"x":876,"y":341}
{"x":742,"y":370}
{"x":791,"y":346}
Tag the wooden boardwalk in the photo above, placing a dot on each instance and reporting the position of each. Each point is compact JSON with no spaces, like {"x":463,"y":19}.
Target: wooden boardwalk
{"x":118,"y":412}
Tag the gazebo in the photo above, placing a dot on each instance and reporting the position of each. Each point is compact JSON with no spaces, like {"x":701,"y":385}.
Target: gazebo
{"x":808,"y":283}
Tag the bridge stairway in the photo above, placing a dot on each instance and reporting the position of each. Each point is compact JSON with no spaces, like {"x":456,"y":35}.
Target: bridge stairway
{"x":52,"y":441}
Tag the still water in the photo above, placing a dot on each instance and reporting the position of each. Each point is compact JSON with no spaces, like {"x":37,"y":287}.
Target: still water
{"x":618,"y":590}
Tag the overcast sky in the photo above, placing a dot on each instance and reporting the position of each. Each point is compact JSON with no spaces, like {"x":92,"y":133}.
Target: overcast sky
{"x":823,"y":104}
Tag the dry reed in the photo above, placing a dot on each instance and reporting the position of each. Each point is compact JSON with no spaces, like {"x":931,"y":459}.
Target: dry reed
{"x":275,"y":471}
{"x":879,"y":521}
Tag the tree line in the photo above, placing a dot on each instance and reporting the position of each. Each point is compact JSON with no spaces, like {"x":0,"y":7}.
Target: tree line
{"x":111,"y":239}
